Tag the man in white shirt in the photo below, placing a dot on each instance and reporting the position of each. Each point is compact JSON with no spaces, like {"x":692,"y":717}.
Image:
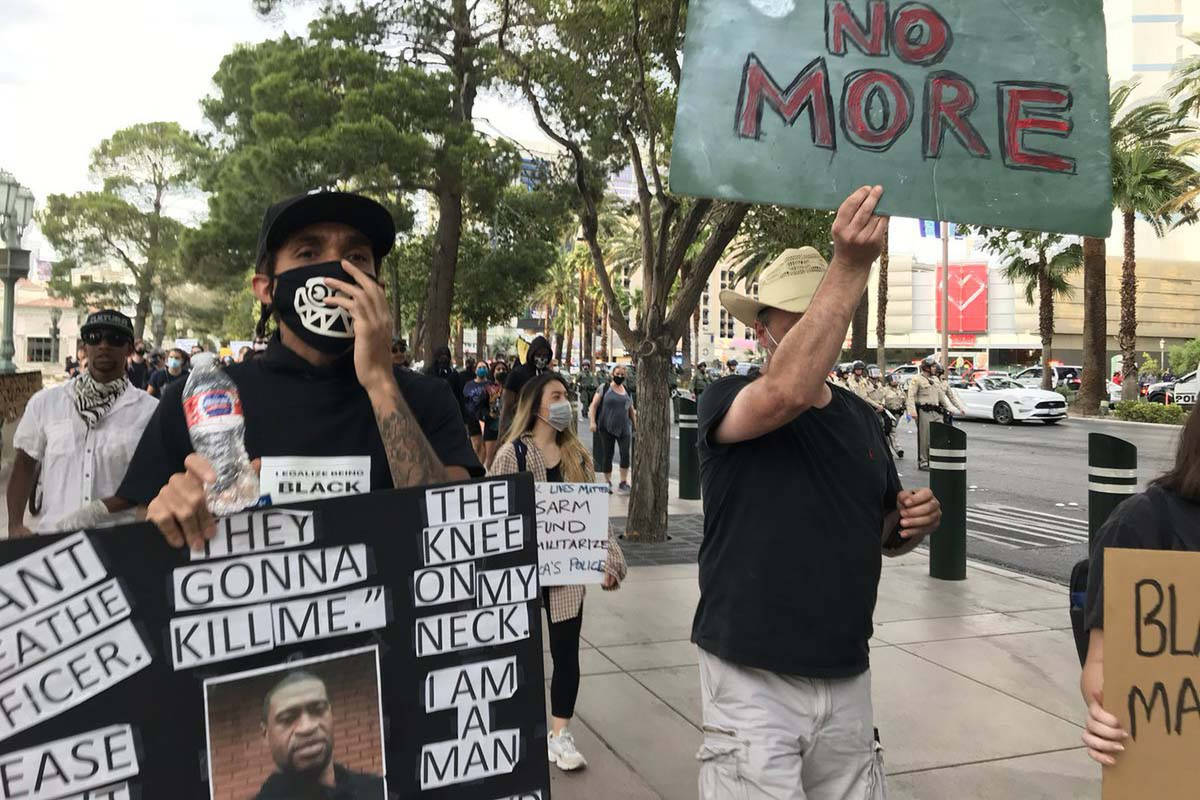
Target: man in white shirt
{"x":81,"y":435}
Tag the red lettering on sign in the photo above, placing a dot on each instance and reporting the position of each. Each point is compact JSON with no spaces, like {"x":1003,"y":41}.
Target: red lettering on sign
{"x":841,"y":23}
{"x":949,"y":99}
{"x":870,"y":88}
{"x":920,"y":35}
{"x":809,"y":90}
{"x":1031,"y":107}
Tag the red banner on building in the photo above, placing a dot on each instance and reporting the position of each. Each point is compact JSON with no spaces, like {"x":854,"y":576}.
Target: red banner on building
{"x":968,"y":298}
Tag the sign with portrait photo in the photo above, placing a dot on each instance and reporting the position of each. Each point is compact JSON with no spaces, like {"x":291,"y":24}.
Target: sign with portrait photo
{"x":381,"y":645}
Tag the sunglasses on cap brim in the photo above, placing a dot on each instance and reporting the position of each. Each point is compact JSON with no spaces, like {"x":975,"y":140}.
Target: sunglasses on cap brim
{"x":113,"y":338}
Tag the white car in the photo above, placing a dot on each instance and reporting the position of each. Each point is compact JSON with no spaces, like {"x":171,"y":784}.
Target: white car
{"x":1186,"y":390}
{"x":1005,"y":401}
{"x":905,"y":373}
{"x":1032,"y":377}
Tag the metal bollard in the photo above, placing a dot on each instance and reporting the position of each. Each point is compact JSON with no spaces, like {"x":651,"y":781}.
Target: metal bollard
{"x":948,"y":481}
{"x":1112,"y":477}
{"x":689,"y":456}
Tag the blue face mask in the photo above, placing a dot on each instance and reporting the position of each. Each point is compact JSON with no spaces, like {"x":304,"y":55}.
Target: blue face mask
{"x":174,"y":363}
{"x":481,"y":372}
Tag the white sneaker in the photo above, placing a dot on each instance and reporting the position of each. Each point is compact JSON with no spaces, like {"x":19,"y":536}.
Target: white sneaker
{"x":562,"y":752}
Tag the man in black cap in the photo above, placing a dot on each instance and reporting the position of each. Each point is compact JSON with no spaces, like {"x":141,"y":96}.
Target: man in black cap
{"x":80,"y":435}
{"x":326,"y":388}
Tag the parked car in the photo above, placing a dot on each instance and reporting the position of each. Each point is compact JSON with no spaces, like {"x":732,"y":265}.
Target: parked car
{"x":1068,"y":376}
{"x":904,"y":373}
{"x":1186,"y":389}
{"x":1005,"y":401}
{"x":1163,"y":391}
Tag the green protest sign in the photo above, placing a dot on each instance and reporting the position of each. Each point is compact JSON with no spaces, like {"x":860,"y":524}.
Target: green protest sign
{"x":980,"y":111}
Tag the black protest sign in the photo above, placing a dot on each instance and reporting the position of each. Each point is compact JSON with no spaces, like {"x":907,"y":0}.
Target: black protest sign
{"x":383,"y":639}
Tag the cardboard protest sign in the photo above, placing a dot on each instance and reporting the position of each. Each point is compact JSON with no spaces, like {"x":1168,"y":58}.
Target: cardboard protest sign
{"x":1152,"y":671}
{"x":389,"y":642}
{"x":572,"y":532}
{"x":974,"y":110}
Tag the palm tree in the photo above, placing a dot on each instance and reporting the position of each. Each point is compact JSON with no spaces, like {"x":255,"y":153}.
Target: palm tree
{"x":557,"y":295}
{"x":1152,"y":178}
{"x":1045,"y":276}
{"x":881,"y":307}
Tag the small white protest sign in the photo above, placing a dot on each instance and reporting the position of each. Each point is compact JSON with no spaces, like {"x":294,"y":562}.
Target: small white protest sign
{"x":572,"y":532}
{"x":290,"y":479}
{"x":82,"y":765}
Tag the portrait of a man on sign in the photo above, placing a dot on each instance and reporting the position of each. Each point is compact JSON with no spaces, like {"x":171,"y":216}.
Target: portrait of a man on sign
{"x":315,"y":732}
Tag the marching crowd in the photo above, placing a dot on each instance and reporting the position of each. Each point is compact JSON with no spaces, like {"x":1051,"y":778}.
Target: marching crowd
{"x":787,"y":590}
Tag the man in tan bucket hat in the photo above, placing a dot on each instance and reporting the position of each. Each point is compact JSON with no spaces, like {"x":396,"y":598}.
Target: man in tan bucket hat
{"x":798,"y":488}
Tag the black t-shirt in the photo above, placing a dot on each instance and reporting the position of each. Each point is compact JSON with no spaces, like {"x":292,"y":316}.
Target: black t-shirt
{"x":295,"y":409}
{"x":348,"y":785}
{"x":162,"y":379}
{"x":1157,"y":519}
{"x":554,"y":474}
{"x":138,"y":373}
{"x":454,"y":380}
{"x":791,"y":556}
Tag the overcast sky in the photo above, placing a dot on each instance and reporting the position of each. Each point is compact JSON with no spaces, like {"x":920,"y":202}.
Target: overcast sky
{"x":74,"y":71}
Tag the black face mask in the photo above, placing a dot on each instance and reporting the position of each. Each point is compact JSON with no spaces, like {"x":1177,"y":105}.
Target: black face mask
{"x":618,"y":379}
{"x":299,"y":300}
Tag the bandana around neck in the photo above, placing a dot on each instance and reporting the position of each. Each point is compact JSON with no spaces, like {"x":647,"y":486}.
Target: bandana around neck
{"x":93,"y":400}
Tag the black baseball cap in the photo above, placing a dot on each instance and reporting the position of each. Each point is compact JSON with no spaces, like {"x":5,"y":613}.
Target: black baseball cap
{"x":108,"y":319}
{"x":359,"y":212}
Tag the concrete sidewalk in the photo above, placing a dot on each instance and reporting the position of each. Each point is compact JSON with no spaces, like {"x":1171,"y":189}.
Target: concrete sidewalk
{"x":975,"y":686}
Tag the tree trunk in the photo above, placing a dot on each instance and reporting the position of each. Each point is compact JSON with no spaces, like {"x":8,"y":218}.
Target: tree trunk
{"x":1095,"y":327}
{"x":604,"y":331}
{"x":1128,"y":331}
{"x":439,"y":294}
{"x":858,"y":328}
{"x":458,"y":342}
{"x":142,"y":312}
{"x":416,"y":345}
{"x":696,"y":357}
{"x":881,"y":307}
{"x":481,"y":352}
{"x":1046,"y":323}
{"x":651,"y":458}
{"x":588,"y":348}
{"x":558,"y":347}
{"x":565,"y":363}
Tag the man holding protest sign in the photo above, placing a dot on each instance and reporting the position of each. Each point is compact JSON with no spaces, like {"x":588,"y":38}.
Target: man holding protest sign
{"x":323,"y":391}
{"x":787,"y":594}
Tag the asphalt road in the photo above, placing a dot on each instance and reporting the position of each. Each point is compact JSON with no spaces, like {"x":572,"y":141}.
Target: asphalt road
{"x":1027,"y":508}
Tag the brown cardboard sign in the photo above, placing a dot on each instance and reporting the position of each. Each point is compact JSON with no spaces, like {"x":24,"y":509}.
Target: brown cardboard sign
{"x":1152,"y":671}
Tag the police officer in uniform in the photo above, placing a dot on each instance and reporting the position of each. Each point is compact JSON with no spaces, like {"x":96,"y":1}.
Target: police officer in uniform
{"x":585,"y":387}
{"x":700,"y":380}
{"x":861,"y":385}
{"x":893,"y":403}
{"x":951,"y":404}
{"x":925,"y":402}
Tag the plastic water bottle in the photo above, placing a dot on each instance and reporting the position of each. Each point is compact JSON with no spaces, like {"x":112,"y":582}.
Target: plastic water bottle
{"x":213,"y":411}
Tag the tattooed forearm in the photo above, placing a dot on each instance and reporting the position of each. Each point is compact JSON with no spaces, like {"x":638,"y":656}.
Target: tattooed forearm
{"x":410,"y":457}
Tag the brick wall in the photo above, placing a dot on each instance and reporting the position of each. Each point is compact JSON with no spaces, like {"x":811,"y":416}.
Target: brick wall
{"x":241,"y":760}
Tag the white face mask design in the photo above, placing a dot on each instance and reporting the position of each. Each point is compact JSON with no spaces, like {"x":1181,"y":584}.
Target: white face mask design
{"x":319,"y":318}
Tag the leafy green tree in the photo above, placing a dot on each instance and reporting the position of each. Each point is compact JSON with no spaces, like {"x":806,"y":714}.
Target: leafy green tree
{"x":1185,"y":357}
{"x":143,"y":170}
{"x":1152,"y":174}
{"x":1040,"y":263}
{"x":452,"y":44}
{"x":602,"y":80}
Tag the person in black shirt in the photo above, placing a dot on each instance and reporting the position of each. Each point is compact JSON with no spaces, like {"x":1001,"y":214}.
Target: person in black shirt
{"x":787,"y":589}
{"x":138,"y":369}
{"x":326,"y":386}
{"x":174,"y":370}
{"x":297,"y":724}
{"x":443,"y":369}
{"x":1164,"y":517}
{"x":537,"y":361}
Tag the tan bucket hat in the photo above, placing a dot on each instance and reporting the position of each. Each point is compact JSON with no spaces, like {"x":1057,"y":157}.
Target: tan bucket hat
{"x":789,"y":284}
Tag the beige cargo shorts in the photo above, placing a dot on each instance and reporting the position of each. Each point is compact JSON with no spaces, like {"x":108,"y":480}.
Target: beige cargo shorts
{"x":769,"y":736}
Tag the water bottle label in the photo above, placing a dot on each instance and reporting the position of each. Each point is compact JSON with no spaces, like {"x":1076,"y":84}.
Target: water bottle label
{"x":217,"y":408}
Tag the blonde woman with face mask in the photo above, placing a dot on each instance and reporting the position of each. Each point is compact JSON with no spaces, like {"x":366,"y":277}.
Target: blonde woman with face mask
{"x":540,"y":440}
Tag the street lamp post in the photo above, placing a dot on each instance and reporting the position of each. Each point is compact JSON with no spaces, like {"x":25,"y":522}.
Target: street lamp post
{"x":1162,"y":355}
{"x":55,"y":316}
{"x":15,"y":212}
